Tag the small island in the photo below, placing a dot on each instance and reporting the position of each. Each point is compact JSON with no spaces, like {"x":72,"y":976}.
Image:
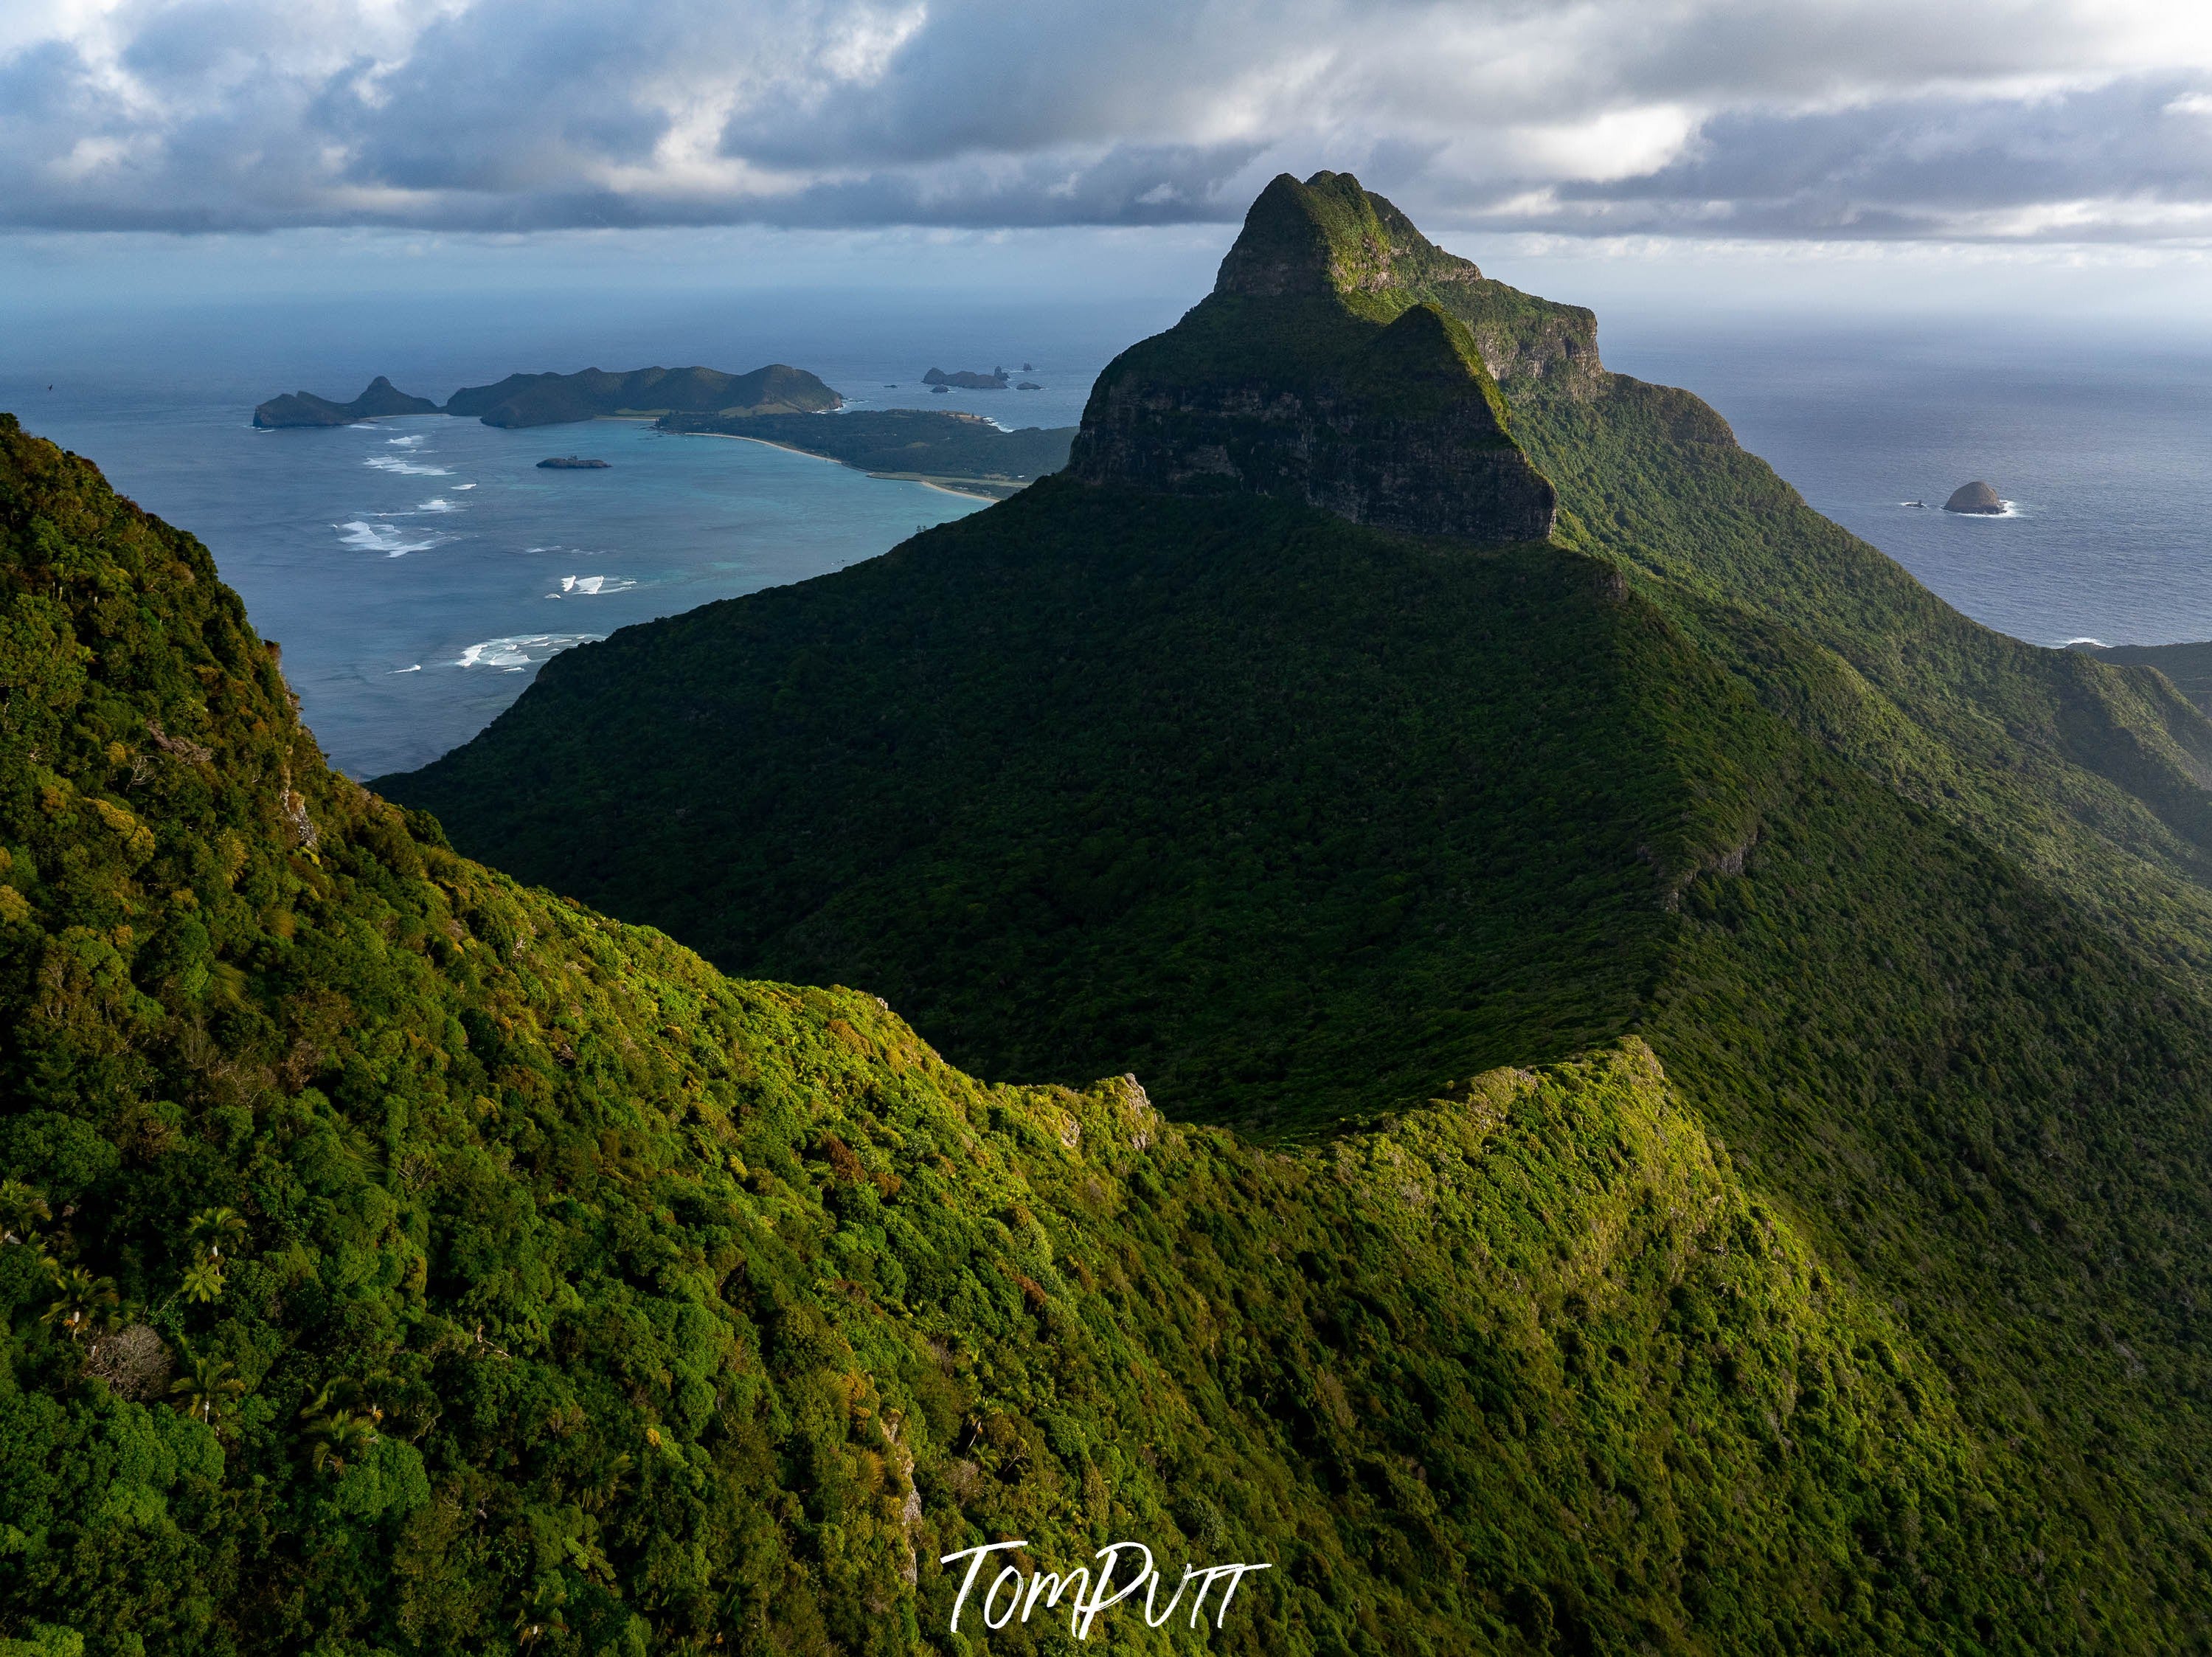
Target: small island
{"x":1029,"y":385}
{"x":1975,"y":497}
{"x":552,"y":399}
{"x":571,"y":463}
{"x":304,"y":408}
{"x":967,"y":380}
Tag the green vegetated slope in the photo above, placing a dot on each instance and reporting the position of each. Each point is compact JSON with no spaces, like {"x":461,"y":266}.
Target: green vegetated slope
{"x":2188,"y":667}
{"x":1286,"y":815}
{"x":2093,"y":776}
{"x":1301,"y":819}
{"x":396,"y":1259}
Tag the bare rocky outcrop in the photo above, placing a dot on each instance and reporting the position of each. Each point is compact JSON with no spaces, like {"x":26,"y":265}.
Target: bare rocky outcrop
{"x":1976,"y":497}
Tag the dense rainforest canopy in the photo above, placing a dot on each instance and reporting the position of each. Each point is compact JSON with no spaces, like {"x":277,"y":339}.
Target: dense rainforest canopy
{"x":1192,"y":761}
{"x":1717,"y":1098}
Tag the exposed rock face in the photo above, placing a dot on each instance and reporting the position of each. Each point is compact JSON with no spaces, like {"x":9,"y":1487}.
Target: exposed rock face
{"x":1314,"y":374}
{"x":1975,"y":497}
{"x":304,"y":408}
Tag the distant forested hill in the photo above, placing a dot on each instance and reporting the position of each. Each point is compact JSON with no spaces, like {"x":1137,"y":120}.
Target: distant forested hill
{"x":546,"y":399}
{"x":2189,"y":667}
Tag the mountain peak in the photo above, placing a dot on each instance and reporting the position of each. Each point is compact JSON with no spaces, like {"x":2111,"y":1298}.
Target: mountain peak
{"x":1320,"y":370}
{"x":1330,"y":236}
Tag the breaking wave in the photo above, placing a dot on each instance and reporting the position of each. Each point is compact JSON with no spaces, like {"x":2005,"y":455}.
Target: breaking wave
{"x":592,"y":586}
{"x":512,"y":654}
{"x":388,"y":539}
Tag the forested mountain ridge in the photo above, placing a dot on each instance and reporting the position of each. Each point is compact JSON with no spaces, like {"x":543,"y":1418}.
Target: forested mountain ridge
{"x":397,"y":1259}
{"x":1303,"y":818}
{"x":2095,"y":777}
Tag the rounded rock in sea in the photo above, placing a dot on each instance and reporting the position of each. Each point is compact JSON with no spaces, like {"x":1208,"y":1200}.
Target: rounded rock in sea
{"x":1978,"y":498}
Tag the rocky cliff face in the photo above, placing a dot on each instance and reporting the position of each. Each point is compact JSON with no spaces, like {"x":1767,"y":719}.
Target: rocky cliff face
{"x":1315,"y":372}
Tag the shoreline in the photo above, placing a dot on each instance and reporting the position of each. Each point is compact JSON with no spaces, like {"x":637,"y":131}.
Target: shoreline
{"x":947,"y":488}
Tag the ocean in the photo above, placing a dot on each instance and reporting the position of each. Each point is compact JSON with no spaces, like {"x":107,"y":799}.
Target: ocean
{"x":418,"y":571}
{"x":2101,"y":445}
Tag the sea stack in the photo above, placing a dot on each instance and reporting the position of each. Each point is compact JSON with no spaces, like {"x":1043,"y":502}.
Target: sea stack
{"x":1975,"y":497}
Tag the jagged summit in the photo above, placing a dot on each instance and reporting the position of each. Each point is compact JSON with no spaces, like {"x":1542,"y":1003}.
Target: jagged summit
{"x":1318,"y":371}
{"x":1330,"y":236}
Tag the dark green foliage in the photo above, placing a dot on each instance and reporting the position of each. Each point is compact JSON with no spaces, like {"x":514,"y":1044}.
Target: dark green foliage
{"x":1294,"y":819}
{"x":576,"y":1298}
{"x":922,"y":442}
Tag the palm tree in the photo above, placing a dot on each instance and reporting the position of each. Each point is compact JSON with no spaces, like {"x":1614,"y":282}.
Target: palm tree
{"x":214,"y":1229}
{"x":338,"y":1438}
{"x":340,"y":1425}
{"x":82,"y":1301}
{"x":22,"y":1208}
{"x":204,"y":1391}
{"x":204,"y":1281}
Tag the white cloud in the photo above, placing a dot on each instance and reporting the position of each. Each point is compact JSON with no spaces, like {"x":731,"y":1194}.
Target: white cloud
{"x":1848,"y":119}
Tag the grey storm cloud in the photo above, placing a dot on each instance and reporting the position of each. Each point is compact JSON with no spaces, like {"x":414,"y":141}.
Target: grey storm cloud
{"x":1928,"y":166}
{"x":2010,"y":119}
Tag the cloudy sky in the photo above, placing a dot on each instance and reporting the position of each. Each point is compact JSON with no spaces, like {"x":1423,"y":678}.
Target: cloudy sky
{"x":2023,"y":129}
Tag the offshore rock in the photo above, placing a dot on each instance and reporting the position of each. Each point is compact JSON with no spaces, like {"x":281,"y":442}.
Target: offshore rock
{"x":1313,"y":373}
{"x":1975,"y":497}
